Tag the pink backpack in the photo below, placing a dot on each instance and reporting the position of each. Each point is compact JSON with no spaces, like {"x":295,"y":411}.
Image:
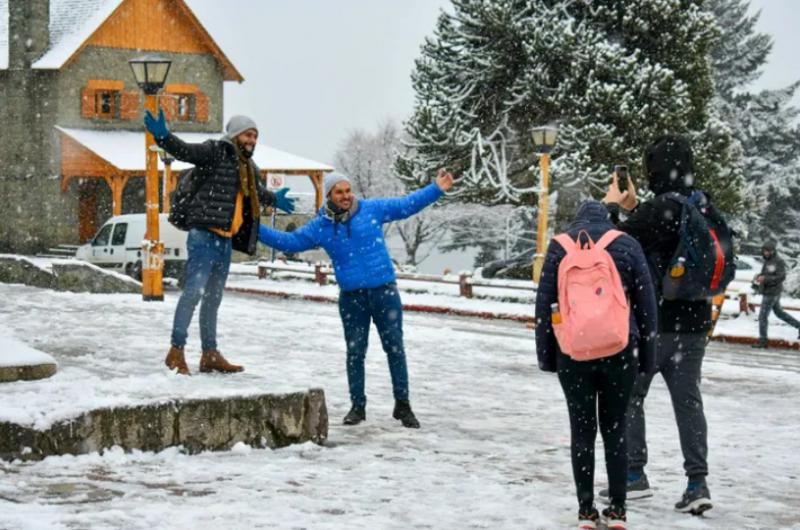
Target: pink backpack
{"x":595,"y":315}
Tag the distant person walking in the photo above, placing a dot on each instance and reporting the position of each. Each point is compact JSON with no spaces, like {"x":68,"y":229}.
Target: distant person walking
{"x":770,"y":284}
{"x":597,"y":376}
{"x":351,"y":232}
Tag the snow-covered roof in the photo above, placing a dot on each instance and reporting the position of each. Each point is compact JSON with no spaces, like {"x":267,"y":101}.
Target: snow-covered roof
{"x":3,"y":34}
{"x":125,"y":150}
{"x":72,"y":22}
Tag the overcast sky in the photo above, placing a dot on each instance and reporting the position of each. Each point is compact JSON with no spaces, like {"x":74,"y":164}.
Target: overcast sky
{"x":316,"y":69}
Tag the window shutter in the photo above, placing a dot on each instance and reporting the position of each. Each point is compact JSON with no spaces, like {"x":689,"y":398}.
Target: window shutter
{"x":169,"y":103}
{"x":201,"y":107}
{"x":87,"y":103}
{"x":129,"y":105}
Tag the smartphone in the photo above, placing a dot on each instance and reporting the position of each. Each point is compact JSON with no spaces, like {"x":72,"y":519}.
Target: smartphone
{"x":622,"y":177}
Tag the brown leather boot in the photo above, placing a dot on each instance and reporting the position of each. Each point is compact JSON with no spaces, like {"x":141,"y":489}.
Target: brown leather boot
{"x":176,"y":361}
{"x":213,"y":361}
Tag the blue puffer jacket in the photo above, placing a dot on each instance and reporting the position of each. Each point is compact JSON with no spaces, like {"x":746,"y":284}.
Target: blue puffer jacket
{"x":631,"y":263}
{"x":358,"y":252}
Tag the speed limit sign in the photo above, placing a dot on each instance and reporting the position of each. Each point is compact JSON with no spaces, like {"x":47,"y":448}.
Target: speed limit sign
{"x":274,"y":182}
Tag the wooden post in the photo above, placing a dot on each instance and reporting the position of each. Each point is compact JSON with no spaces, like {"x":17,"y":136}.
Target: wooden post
{"x":153,"y":248}
{"x":464,"y":285}
{"x":541,"y":225}
{"x":319,"y":275}
{"x":263,"y":272}
{"x":743,"y":305}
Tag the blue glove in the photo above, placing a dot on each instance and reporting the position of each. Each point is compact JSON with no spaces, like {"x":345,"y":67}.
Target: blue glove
{"x":283,"y":202}
{"x":156,"y":127}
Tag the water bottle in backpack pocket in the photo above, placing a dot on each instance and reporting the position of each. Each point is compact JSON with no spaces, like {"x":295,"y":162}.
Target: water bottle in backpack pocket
{"x":593,"y":310}
{"x":702,"y":265}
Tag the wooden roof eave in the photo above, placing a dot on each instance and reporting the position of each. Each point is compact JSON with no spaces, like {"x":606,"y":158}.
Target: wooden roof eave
{"x":229,"y":72}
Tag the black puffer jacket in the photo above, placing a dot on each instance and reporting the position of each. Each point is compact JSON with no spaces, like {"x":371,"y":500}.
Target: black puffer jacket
{"x":213,"y":204}
{"x":655,"y":225}
{"x":774,"y":273}
{"x":627,"y":254}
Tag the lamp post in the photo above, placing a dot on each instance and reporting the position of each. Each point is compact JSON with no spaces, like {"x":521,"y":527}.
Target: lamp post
{"x":150,"y":72}
{"x":166,"y":184}
{"x":544,"y":138}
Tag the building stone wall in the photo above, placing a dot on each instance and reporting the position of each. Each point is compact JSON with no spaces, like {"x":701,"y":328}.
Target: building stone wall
{"x":33,"y":102}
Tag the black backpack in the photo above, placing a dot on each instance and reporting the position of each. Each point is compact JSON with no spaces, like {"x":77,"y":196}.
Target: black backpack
{"x":702,"y":265}
{"x":181,"y":198}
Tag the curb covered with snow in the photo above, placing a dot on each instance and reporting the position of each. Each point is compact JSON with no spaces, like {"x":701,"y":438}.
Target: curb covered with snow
{"x":18,"y":361}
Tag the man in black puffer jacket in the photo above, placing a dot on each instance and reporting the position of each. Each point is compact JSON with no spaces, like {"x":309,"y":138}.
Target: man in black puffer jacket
{"x":222,"y":216}
{"x":770,"y":284}
{"x":683,"y":326}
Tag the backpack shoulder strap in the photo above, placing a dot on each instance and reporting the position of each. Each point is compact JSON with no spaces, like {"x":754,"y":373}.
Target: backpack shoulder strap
{"x":566,"y":242}
{"x":607,"y":239}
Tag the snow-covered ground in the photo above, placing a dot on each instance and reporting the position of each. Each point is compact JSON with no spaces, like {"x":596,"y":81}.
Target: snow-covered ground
{"x":493,"y":451}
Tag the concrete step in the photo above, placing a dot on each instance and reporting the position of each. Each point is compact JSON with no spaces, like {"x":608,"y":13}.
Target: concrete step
{"x":212,"y":424}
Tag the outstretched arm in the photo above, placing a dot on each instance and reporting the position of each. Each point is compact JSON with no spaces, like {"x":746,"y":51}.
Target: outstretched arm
{"x":404,"y":207}
{"x":297,"y":241}
{"x":197,"y":154}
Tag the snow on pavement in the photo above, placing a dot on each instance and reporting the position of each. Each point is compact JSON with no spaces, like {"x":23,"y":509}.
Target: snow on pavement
{"x":493,"y":451}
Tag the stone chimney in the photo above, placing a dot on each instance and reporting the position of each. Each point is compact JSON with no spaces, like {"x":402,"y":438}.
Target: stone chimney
{"x":28,"y":31}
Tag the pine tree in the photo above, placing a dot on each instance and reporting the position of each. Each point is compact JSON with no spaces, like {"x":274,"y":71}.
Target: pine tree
{"x":614,"y":74}
{"x":764,"y":125}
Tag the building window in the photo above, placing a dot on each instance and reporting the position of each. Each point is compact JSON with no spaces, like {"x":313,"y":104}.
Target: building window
{"x":105,"y":104}
{"x":185,"y":104}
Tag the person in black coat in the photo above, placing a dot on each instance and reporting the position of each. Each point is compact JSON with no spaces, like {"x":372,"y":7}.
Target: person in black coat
{"x":683,"y":325}
{"x":770,"y":285}
{"x":222,"y":216}
{"x":608,"y":380}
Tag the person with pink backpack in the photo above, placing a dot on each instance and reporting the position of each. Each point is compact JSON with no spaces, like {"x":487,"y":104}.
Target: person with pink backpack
{"x":595,"y":326}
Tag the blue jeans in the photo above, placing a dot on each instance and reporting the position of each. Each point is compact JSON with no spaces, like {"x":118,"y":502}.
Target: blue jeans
{"x":207,"y":265}
{"x":380,"y":305}
{"x":769,"y":304}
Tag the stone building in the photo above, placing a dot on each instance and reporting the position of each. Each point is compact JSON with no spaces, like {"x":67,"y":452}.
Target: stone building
{"x":72,"y":142}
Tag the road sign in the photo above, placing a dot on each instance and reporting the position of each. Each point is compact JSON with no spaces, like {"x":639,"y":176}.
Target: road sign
{"x":275,"y":182}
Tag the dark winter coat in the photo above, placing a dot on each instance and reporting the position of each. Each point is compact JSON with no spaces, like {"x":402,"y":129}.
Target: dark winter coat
{"x":655,"y":225}
{"x":217,"y":165}
{"x":357,"y":250}
{"x":774,"y":273}
{"x":593,"y":217}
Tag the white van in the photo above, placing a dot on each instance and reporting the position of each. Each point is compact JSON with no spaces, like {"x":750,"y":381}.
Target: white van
{"x":118,"y":245}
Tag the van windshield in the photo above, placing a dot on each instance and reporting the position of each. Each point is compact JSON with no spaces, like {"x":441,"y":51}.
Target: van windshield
{"x":101,"y":239}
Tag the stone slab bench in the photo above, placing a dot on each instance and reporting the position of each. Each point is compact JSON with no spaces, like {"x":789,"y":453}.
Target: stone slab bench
{"x":214,"y":424}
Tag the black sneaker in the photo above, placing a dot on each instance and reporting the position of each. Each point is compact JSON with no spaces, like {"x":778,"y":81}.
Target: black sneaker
{"x":403,"y":412}
{"x":355,"y":416}
{"x":638,"y":488}
{"x":588,"y":521}
{"x":614,"y":518}
{"x":760,"y":344}
{"x":695,"y":500}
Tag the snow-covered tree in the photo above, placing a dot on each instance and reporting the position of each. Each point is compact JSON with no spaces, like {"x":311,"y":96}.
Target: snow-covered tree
{"x":613,"y":73}
{"x":764,"y":124}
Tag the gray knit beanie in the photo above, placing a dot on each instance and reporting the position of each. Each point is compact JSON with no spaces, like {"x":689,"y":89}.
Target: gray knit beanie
{"x":332,"y":179}
{"x":237,"y":125}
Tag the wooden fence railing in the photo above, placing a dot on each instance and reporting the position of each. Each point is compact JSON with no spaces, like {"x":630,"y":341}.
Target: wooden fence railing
{"x":466,"y":283}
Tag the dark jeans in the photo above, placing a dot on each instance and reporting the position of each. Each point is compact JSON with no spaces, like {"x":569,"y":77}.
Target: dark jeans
{"x":770,"y":303}
{"x":380,"y":305}
{"x":680,"y":361}
{"x":598,"y":389}
{"x":207,"y":265}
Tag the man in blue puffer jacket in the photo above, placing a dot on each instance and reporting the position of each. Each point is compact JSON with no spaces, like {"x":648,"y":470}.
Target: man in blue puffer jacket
{"x":351,"y":232}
